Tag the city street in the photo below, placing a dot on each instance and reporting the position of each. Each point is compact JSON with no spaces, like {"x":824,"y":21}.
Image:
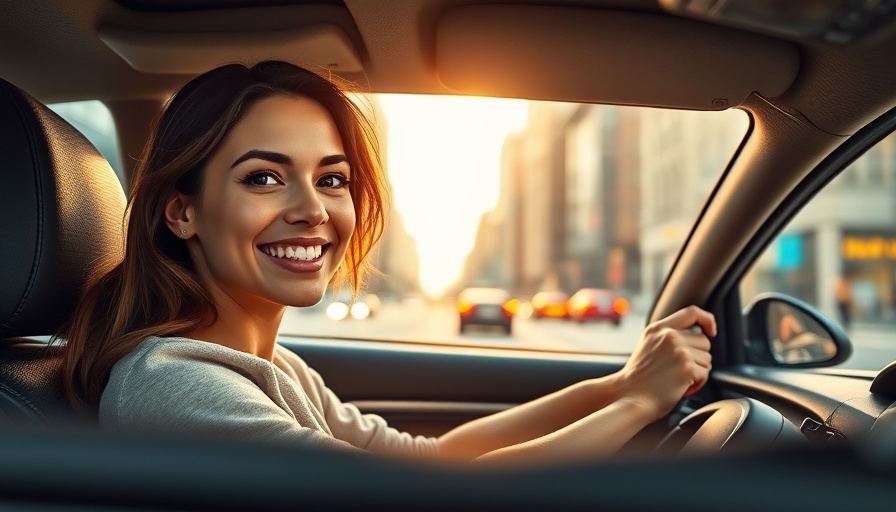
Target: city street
{"x":416,"y":320}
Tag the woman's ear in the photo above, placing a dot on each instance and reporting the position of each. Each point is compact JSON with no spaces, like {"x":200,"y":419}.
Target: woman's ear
{"x":179,"y":215}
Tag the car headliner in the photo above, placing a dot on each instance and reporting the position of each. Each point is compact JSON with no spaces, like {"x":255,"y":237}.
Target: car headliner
{"x":587,"y":50}
{"x":804,"y":97}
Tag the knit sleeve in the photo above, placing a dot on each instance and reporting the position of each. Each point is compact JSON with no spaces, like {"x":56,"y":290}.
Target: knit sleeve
{"x":367,"y":431}
{"x":185,"y":390}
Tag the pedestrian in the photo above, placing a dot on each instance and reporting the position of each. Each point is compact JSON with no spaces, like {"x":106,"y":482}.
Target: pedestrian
{"x":844,"y":301}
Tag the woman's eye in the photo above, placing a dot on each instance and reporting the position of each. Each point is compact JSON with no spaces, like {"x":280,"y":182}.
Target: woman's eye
{"x":332,"y":181}
{"x":262,"y":179}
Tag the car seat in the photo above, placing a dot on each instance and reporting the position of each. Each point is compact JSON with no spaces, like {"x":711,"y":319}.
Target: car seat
{"x":61,"y":212}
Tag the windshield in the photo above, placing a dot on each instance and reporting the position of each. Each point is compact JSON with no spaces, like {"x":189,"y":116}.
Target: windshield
{"x":503,"y":210}
{"x":529,"y":197}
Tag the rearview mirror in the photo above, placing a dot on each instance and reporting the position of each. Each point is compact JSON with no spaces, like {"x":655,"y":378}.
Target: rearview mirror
{"x":785,"y":331}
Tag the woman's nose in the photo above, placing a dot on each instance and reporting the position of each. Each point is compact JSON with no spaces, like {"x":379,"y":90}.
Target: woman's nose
{"x":306,"y":207}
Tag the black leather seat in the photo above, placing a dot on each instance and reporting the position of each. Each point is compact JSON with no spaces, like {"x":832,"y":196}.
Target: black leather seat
{"x":61,"y":211}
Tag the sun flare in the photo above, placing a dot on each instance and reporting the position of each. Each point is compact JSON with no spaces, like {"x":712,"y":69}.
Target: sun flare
{"x":452,"y":145}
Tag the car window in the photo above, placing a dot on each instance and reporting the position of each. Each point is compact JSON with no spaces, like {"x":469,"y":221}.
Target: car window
{"x":530,"y":197}
{"x":94,"y":120}
{"x":839,"y":255}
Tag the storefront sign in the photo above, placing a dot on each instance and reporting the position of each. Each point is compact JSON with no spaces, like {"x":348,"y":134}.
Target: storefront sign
{"x":869,"y":248}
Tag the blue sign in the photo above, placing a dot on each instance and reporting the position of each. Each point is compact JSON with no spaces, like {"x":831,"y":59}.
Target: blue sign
{"x":790,"y":252}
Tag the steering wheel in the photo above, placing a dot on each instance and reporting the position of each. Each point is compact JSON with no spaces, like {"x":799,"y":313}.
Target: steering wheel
{"x":728,"y":426}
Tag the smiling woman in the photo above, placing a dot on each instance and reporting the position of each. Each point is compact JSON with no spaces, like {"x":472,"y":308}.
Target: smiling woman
{"x":212,"y":196}
{"x":261,"y":188}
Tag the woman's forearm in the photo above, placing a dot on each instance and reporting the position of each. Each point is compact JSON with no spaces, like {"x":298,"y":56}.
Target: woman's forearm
{"x":595,"y":436}
{"x":531,"y":420}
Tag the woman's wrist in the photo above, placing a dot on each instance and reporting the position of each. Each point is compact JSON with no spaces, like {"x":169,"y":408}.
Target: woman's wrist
{"x":605,"y":390}
{"x":617,"y":387}
{"x":626,"y":391}
{"x":643,"y":407}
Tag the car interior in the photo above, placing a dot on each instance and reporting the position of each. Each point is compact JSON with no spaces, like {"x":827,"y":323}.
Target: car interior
{"x":814,"y":76}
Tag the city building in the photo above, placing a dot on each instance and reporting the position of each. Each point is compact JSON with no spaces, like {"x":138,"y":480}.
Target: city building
{"x":843,"y":233}
{"x":681,"y":153}
{"x":568,"y":212}
{"x":602,"y":199}
{"x":394,"y":258}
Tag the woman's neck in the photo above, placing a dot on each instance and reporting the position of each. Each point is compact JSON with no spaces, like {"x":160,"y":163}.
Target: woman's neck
{"x":252,"y":331}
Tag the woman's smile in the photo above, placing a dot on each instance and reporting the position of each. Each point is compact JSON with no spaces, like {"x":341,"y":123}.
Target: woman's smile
{"x":297,"y":255}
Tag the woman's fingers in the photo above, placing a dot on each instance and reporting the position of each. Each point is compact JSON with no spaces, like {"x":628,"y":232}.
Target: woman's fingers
{"x":695,"y":340}
{"x":697,"y":343}
{"x":701,"y":357}
{"x":689,"y":317}
{"x":701,"y":375}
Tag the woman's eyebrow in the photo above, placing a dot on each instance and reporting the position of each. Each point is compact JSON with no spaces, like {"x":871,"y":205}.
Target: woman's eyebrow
{"x":271,"y":156}
{"x":332,"y":160}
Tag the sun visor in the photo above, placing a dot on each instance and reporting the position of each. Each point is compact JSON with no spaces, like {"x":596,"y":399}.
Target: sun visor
{"x":575,"y":54}
{"x":323,"y":45}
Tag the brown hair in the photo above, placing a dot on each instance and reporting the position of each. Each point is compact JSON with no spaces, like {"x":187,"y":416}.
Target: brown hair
{"x":154,"y":290}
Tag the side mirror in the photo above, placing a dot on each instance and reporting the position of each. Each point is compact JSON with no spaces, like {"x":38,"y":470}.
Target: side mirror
{"x":784,"y":331}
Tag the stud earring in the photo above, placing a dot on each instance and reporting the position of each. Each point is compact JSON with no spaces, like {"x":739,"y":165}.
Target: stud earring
{"x":183,"y":231}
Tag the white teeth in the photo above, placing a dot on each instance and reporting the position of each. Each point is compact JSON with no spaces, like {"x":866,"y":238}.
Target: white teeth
{"x":296,"y":253}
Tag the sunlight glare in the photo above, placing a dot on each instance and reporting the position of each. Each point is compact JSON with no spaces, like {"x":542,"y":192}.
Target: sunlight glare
{"x":443,"y":157}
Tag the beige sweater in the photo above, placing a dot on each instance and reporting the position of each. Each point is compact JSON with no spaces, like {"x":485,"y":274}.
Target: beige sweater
{"x":186,"y":386}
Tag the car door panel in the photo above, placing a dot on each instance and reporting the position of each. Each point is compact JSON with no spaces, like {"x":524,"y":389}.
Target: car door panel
{"x":429,"y":389}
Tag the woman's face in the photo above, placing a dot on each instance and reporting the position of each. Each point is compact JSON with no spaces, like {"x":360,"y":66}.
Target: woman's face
{"x":275,"y":215}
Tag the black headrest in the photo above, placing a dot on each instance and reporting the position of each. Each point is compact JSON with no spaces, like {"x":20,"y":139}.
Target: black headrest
{"x":61,"y":214}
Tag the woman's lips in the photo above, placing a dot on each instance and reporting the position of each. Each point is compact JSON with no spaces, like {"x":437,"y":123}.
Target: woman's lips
{"x":296,"y":258}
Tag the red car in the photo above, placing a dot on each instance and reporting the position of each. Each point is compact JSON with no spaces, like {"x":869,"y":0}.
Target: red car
{"x":597,"y":304}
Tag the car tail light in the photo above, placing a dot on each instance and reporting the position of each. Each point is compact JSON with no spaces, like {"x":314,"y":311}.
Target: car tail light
{"x":620,"y":306}
{"x":512,"y":306}
{"x":509,"y":309}
{"x":465,"y":308}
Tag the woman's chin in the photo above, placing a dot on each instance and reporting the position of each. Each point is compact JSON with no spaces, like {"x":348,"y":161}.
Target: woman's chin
{"x":302,"y":295}
{"x":305,"y":299}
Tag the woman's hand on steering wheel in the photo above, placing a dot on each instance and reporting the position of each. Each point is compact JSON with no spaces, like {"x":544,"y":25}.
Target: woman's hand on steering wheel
{"x":671,"y":361}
